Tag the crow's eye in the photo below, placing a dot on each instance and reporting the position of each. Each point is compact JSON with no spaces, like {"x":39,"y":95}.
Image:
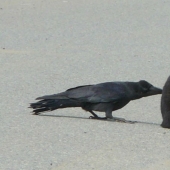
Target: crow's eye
{"x":147,"y":89}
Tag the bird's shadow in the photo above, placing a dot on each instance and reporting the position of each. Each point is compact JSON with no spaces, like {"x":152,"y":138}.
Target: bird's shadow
{"x":74,"y":117}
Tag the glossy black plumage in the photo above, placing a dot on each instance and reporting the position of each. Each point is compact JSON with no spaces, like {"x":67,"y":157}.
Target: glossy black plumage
{"x":104,"y":97}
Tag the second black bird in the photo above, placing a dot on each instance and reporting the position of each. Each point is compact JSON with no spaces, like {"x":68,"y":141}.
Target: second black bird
{"x":165,"y":104}
{"x":104,"y":97}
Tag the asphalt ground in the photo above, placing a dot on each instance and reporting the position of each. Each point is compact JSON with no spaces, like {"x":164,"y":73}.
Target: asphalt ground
{"x":49,"y":46}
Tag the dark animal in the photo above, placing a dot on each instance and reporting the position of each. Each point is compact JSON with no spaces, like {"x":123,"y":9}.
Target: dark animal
{"x":165,"y":104}
{"x":104,"y":97}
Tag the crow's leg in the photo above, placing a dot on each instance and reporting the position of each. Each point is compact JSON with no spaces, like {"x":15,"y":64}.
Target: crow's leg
{"x":96,"y":117}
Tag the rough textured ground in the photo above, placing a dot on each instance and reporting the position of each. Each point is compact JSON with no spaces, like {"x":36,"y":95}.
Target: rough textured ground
{"x":49,"y":46}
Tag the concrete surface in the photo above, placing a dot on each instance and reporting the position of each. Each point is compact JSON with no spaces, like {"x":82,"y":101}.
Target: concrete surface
{"x":49,"y":46}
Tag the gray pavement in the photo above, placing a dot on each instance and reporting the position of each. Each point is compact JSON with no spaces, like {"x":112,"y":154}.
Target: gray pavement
{"x":49,"y":46}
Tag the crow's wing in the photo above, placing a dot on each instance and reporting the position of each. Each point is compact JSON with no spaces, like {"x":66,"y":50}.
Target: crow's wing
{"x":105,"y":92}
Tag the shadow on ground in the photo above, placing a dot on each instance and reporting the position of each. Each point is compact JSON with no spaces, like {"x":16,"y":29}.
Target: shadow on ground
{"x":74,"y":117}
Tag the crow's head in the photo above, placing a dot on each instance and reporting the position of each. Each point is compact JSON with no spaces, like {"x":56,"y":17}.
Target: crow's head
{"x":147,"y":89}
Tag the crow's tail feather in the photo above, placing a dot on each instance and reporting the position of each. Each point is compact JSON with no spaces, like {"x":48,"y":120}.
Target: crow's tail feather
{"x":53,"y":104}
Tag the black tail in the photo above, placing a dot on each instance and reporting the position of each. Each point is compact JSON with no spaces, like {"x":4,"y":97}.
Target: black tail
{"x":53,"y":104}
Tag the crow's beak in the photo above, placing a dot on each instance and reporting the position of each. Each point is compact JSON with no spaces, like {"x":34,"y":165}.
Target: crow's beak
{"x":154,"y":90}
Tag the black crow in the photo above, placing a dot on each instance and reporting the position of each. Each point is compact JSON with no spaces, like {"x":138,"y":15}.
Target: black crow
{"x":165,"y":104}
{"x":104,"y":97}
